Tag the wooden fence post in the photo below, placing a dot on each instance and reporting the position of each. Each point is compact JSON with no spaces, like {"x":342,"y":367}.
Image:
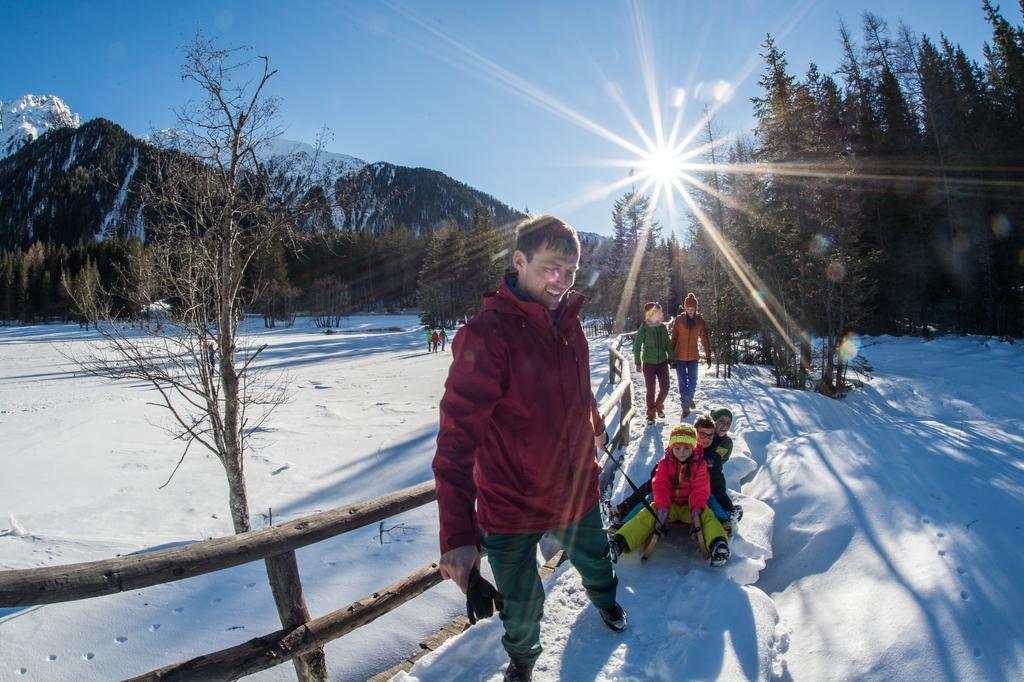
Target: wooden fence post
{"x":625,"y":410}
{"x":283,"y":570}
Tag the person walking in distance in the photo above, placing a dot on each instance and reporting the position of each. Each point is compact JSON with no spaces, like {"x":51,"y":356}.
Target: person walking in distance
{"x":515,"y":448}
{"x":687,"y":329}
{"x":651,"y":351}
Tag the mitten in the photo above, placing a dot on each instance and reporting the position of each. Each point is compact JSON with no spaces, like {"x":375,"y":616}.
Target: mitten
{"x":694,"y":520}
{"x":482,"y":598}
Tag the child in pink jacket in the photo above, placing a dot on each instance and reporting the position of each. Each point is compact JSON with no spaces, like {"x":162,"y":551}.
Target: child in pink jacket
{"x":681,"y":489}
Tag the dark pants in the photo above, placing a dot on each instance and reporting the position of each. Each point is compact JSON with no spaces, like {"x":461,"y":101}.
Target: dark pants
{"x":513,"y":559}
{"x":657,"y":373}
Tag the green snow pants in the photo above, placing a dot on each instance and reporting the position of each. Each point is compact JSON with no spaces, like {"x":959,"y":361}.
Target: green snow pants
{"x":513,"y":559}
{"x":639,"y":528}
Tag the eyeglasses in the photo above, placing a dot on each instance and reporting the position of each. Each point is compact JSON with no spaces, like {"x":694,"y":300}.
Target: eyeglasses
{"x":706,"y":434}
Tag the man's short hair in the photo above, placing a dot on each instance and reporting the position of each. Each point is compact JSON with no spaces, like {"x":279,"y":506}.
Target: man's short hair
{"x":546,"y":231}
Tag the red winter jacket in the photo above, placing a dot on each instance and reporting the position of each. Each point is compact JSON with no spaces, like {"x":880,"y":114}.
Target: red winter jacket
{"x":670,"y":487}
{"x":518,"y":419}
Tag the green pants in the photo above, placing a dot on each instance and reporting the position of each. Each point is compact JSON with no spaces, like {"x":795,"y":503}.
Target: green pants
{"x":513,"y":559}
{"x":639,"y":528}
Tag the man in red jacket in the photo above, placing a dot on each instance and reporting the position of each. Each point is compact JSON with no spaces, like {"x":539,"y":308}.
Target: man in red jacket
{"x":515,"y":448}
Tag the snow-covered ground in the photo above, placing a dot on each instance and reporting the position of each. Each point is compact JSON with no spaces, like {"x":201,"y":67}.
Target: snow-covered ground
{"x":880,"y":537}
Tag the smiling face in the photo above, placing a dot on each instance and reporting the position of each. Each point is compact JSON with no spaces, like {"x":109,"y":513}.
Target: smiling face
{"x":722,"y":425}
{"x":705,"y":436}
{"x":548,"y":276}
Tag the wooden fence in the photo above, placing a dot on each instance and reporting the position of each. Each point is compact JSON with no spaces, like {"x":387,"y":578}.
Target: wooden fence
{"x":54,"y":584}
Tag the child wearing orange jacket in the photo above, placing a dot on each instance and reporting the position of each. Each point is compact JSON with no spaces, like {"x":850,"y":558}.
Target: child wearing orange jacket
{"x":681,"y":488}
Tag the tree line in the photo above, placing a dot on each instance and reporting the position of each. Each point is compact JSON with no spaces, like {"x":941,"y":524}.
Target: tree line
{"x":883,"y":197}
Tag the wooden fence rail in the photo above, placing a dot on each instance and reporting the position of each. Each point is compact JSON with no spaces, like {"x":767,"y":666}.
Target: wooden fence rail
{"x":278,"y":647}
{"x":54,"y":584}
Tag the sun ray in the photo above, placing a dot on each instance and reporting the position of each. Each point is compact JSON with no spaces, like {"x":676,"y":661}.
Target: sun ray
{"x":760,"y":297}
{"x":616,"y":92}
{"x":636,"y":260}
{"x":597,"y":194}
{"x":647,"y":70}
{"x":494,"y":72}
{"x":836,"y":171}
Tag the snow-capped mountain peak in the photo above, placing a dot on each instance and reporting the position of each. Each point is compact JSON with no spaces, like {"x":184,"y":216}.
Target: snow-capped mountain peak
{"x":339,"y":164}
{"x":25,"y":119}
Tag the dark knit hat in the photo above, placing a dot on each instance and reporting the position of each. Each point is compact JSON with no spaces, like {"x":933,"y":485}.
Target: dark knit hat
{"x":721,"y":412}
{"x":690,"y":299}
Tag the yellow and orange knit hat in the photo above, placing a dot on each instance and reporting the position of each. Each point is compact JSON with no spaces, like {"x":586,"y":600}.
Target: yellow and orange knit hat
{"x":684,"y":434}
{"x":652,"y":311}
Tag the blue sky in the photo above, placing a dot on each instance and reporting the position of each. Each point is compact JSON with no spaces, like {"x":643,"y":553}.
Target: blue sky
{"x":416,"y":83}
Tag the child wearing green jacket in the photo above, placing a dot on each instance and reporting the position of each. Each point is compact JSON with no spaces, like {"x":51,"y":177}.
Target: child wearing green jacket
{"x":651,"y":352}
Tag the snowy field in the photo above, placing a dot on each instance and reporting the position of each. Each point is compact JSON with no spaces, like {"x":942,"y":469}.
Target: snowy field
{"x":880,"y":538}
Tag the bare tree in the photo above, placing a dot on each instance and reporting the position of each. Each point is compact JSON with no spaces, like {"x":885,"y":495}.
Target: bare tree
{"x":213,"y":203}
{"x":329,"y":301}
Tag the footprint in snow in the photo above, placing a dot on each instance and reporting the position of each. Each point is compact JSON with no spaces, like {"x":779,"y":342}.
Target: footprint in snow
{"x":154,"y":627}
{"x":977,"y":652}
{"x":88,"y":656}
{"x":940,"y":535}
{"x":120,"y":639}
{"x":178,"y":609}
{"x":960,"y":570}
{"x":22,"y":671}
{"x":215,"y":600}
{"x":51,"y":657}
{"x":964,"y":596}
{"x":942,"y":552}
{"x":250,"y":585}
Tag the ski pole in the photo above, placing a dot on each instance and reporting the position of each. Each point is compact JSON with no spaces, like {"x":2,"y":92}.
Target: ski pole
{"x":658,"y":527}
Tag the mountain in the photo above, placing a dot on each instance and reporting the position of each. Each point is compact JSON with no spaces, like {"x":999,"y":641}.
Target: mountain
{"x":340,"y":164}
{"x":382,"y":194}
{"x":25,"y":119}
{"x":73,"y":184}
{"x":69,"y":183}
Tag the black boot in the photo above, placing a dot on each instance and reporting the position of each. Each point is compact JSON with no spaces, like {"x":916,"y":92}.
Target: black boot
{"x":517,"y":671}
{"x":614,"y":617}
{"x":617,"y":546}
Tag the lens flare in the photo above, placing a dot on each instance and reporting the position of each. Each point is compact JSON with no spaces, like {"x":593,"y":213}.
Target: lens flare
{"x":835,"y":271}
{"x":820,"y":244}
{"x":1001,"y":226}
{"x":850,"y":347}
{"x":722,"y":91}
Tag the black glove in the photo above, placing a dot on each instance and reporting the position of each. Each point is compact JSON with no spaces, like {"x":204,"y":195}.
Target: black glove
{"x":482,"y":598}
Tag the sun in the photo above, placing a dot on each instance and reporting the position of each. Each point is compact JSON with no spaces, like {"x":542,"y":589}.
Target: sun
{"x":661,"y":165}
